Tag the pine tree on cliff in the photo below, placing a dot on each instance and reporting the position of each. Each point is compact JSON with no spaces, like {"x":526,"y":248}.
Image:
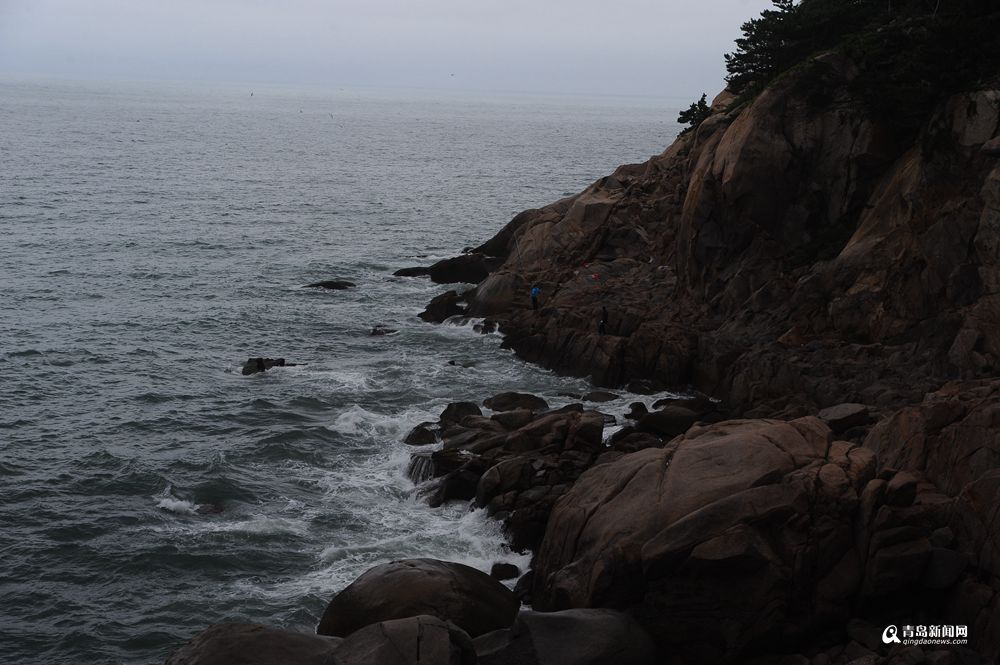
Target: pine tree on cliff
{"x":912,"y":53}
{"x":695,"y":113}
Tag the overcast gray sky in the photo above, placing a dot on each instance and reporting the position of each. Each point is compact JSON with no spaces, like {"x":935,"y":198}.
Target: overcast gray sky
{"x":645,"y":47}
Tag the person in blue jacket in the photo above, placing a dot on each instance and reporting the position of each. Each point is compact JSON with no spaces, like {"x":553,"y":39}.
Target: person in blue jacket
{"x":534,"y":297}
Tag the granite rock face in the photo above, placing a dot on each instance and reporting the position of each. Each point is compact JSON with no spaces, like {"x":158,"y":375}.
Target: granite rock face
{"x":717,"y":542}
{"x":780,"y":257}
{"x":453,"y":592}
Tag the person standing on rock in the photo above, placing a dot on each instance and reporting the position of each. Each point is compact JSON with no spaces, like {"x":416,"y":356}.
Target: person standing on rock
{"x":534,"y":297}
{"x":602,"y":324}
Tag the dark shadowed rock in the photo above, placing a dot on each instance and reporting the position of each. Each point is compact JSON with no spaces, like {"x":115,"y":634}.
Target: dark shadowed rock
{"x":416,"y":640}
{"x":736,"y":500}
{"x":570,"y":637}
{"x":505,"y":571}
{"x":486,"y":327}
{"x":843,"y":417}
{"x":456,"y":411}
{"x":514,"y":419}
{"x":252,"y":644}
{"x":901,"y":490}
{"x":421,"y":435}
{"x":522,"y":588}
{"x":511,"y":400}
{"x":628,"y":440}
{"x":669,"y":421}
{"x":443,"y":307}
{"x":416,"y":271}
{"x":636,"y":410}
{"x":458,"y":485}
{"x":467,"y":268}
{"x":469,"y":598}
{"x":333,"y":284}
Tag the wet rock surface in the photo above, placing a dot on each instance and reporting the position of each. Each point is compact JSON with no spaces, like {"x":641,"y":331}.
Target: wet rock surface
{"x":332,"y":284}
{"x":467,"y":597}
{"x":259,"y":364}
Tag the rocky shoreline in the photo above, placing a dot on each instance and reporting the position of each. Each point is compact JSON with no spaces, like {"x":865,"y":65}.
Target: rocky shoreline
{"x":826,"y":294}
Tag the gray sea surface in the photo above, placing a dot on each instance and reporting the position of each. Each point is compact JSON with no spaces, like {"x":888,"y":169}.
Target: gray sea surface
{"x":154,"y":236}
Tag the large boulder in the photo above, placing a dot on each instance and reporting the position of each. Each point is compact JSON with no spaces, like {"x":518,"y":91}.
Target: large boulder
{"x":456,"y":411}
{"x":252,"y":644}
{"x":418,"y":640}
{"x":570,"y":637}
{"x":668,"y":421}
{"x":717,"y":542}
{"x":469,"y":598}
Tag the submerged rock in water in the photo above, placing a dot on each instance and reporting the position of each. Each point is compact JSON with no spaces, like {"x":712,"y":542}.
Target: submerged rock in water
{"x":333,"y":284}
{"x":255,"y":365}
{"x":381,"y":330}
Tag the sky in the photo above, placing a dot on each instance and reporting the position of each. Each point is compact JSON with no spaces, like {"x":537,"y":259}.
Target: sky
{"x":626,"y":47}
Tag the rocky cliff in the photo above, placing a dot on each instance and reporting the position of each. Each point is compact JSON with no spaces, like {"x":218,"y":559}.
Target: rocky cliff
{"x":783,"y":256}
{"x":792,"y":253}
{"x":829,"y":280}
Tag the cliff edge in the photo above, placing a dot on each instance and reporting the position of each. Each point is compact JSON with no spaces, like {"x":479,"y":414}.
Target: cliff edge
{"x":782,"y":257}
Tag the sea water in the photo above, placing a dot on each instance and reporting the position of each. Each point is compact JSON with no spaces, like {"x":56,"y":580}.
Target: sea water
{"x":155,"y":236}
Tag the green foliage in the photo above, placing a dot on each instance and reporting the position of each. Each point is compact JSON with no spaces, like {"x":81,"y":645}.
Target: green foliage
{"x":695,"y":113}
{"x":785,"y":35}
{"x":911,"y":53}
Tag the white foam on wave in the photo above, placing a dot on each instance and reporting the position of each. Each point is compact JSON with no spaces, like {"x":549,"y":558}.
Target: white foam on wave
{"x":167,"y":501}
{"x":340,"y":378}
{"x":359,"y":421}
{"x":178,"y":506}
{"x":267,"y":525}
{"x":380,"y":518}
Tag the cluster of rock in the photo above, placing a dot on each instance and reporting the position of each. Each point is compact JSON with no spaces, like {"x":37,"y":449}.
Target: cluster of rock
{"x":740,"y":540}
{"x":428,"y":612}
{"x":515,"y":463}
{"x":837,"y":286}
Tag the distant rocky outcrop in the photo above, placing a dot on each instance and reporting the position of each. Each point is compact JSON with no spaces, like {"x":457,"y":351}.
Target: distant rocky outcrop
{"x":259,"y":364}
{"x":332,"y":284}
